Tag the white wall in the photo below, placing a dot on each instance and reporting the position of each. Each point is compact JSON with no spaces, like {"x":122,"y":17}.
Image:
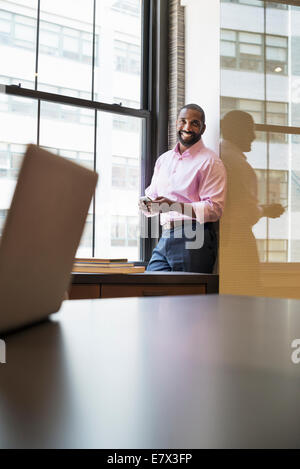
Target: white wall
{"x":202,"y":73}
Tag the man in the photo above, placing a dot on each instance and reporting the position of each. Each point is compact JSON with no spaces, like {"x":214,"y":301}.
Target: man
{"x":188,"y":184}
{"x":239,"y":261}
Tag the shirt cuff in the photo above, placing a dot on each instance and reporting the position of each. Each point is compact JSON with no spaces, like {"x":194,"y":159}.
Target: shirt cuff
{"x":207,"y":211}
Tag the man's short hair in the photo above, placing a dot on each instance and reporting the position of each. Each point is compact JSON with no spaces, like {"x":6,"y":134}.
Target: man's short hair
{"x":194,"y":107}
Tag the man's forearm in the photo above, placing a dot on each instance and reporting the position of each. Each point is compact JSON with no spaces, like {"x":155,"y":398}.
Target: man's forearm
{"x":187,"y":209}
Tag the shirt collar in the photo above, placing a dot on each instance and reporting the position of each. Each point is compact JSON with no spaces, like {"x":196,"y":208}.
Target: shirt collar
{"x":191,"y":151}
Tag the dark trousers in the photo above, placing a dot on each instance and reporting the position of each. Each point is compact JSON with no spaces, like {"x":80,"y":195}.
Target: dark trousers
{"x":171,"y":253}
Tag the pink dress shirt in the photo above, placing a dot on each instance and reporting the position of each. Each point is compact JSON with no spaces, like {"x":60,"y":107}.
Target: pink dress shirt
{"x":195,"y":177}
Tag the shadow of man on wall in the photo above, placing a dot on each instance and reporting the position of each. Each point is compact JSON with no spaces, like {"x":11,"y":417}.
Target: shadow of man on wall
{"x":239,"y":260}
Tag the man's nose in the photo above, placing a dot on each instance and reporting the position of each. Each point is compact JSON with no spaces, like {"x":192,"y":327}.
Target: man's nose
{"x":187,"y":126}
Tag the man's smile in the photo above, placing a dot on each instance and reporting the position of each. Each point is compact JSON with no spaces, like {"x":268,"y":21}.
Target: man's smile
{"x":183,"y":133}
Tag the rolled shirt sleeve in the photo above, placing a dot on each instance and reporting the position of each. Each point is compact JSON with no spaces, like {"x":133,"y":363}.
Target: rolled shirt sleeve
{"x":212,"y":192}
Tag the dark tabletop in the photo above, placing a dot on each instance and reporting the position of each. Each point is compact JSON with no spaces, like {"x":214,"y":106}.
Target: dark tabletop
{"x":167,"y":372}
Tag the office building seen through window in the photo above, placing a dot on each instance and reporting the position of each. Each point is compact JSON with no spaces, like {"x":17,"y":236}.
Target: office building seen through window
{"x":260,"y":74}
{"x":69,"y":32}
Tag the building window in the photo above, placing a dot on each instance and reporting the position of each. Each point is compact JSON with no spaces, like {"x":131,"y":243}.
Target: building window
{"x":11,"y":156}
{"x":129,"y":7}
{"x":3,"y":214}
{"x":87,"y":235}
{"x":276,"y":113}
{"x":258,"y":3}
{"x":125,"y":173}
{"x":124,"y":231}
{"x":127,"y":57}
{"x":122,"y":122}
{"x":20,"y":31}
{"x":243,"y":50}
{"x":272,"y":250}
{"x":272,"y":186}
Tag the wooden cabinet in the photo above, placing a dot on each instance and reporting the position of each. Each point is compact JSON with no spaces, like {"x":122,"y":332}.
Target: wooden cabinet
{"x":84,"y":292}
{"x":86,"y":286}
{"x":118,"y":291}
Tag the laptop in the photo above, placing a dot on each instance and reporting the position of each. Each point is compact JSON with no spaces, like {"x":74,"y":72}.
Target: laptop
{"x":41,"y":235}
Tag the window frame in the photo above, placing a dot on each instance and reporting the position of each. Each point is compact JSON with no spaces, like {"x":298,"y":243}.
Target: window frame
{"x":261,"y":60}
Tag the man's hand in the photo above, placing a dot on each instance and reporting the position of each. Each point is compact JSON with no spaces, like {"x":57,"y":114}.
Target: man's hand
{"x":272,"y":210}
{"x":145,"y":204}
{"x":164,"y":204}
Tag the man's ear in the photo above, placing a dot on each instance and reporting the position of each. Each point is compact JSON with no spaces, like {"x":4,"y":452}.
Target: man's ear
{"x":203,"y":129}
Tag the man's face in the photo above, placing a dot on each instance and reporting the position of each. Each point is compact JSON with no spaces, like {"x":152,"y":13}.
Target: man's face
{"x":189,"y":127}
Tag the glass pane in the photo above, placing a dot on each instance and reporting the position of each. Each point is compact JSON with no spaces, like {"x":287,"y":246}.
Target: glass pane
{"x":276,"y":41}
{"x":119,"y":163}
{"x":250,"y":49}
{"x":250,"y":105}
{"x":228,"y":35}
{"x":63,"y":131}
{"x":18,"y":42}
{"x":277,"y":107}
{"x":118,"y":68}
{"x":18,"y":118}
{"x":251,"y":2}
{"x":65,"y":56}
{"x":276,"y":53}
{"x":228,"y":49}
{"x":250,"y":38}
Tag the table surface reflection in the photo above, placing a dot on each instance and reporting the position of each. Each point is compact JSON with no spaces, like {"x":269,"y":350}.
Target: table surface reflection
{"x":168,"y":372}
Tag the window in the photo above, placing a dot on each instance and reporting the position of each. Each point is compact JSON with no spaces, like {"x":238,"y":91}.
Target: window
{"x":124,"y":231}
{"x":258,"y":3}
{"x":128,"y":7}
{"x":20,"y":31}
{"x":266,"y":41}
{"x":276,"y":113}
{"x":87,"y":235}
{"x":11,"y":156}
{"x":125,"y":173}
{"x":243,"y":50}
{"x":97,"y":58}
{"x":122,"y":122}
{"x":3,"y":214}
{"x":272,"y":250}
{"x":127,"y":57}
{"x":272,"y":186}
